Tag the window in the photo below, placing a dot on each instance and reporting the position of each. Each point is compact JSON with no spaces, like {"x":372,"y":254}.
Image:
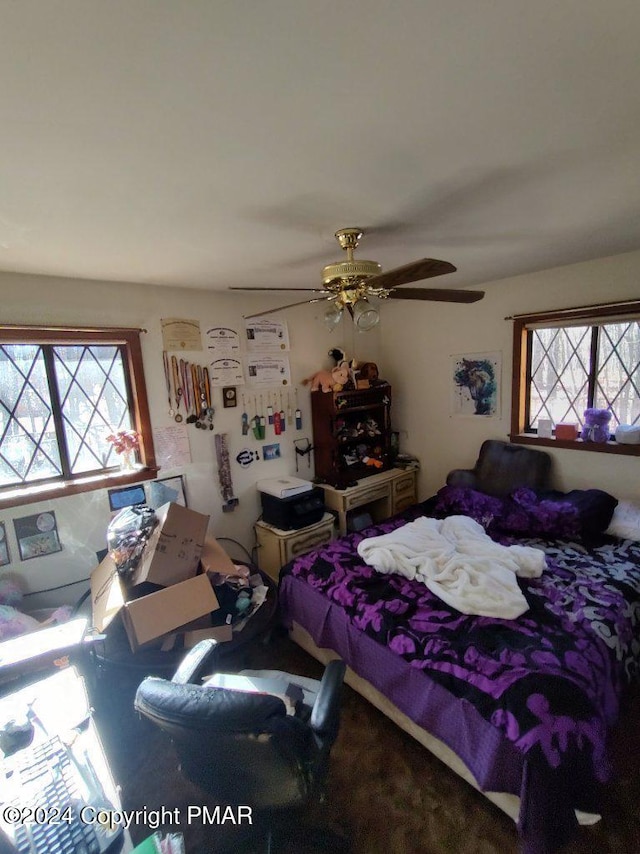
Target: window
{"x":567,"y":361}
{"x":62,"y":392}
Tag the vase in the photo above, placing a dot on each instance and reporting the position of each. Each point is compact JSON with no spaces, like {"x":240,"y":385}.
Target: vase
{"x":127,"y":460}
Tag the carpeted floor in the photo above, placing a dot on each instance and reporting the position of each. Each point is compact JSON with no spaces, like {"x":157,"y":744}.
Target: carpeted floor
{"x":385,"y":793}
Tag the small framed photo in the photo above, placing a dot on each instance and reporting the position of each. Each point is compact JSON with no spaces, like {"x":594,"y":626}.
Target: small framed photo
{"x":5,"y":557}
{"x":271,"y":452}
{"x":37,"y":535}
{"x":167,"y":489}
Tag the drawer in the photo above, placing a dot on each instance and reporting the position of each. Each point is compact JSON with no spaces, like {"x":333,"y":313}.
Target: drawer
{"x":404,"y":485}
{"x":308,"y":540}
{"x":364,"y":496}
{"x":404,"y":501}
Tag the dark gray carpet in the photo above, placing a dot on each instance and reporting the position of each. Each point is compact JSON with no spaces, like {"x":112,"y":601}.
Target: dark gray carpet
{"x":385,"y":793}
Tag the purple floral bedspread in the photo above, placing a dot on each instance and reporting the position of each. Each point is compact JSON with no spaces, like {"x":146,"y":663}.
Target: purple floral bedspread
{"x":551,"y":680}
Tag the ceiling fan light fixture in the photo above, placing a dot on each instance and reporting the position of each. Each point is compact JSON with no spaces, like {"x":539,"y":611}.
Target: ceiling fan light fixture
{"x":365,"y":316}
{"x":332,"y":317}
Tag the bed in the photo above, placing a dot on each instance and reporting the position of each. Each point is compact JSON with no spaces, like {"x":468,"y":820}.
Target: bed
{"x":521,"y":708}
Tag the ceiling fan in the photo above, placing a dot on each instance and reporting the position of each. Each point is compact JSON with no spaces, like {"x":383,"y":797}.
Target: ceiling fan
{"x":350,"y":283}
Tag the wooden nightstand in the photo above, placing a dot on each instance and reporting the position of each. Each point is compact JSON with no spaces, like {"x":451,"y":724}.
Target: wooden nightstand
{"x":277,"y":547}
{"x":382,"y":495}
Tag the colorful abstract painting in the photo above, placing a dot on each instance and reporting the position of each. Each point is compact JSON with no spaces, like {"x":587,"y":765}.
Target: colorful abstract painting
{"x":476,"y":384}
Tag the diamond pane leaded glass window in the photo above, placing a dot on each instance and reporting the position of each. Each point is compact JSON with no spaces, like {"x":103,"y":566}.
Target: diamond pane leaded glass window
{"x":62,"y":392}
{"x":28,"y":446}
{"x":559,"y":373}
{"x":93,"y":402}
{"x":579,"y":366}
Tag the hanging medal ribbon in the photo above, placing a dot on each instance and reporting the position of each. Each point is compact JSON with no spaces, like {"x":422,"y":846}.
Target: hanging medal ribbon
{"x":185,"y":385}
{"x":193,"y":390}
{"x":167,"y":379}
{"x":206,"y":381}
{"x":177,"y":387}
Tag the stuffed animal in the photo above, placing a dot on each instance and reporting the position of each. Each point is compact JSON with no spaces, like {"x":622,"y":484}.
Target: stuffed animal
{"x":14,"y":622}
{"x":596,"y":425}
{"x":333,"y":380}
{"x":337,"y":355}
{"x":368,"y":371}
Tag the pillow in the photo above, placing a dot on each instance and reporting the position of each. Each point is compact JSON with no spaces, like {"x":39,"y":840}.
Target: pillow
{"x":626,"y":521}
{"x":594,"y":508}
{"x":528,"y":514}
{"x":463,"y":500}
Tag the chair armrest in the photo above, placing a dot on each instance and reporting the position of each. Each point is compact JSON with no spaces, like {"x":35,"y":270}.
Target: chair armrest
{"x":463,"y":477}
{"x":195,"y":662}
{"x":325,"y":715}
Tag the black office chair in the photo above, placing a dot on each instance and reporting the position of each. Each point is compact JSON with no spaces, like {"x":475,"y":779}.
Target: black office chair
{"x":243,"y":748}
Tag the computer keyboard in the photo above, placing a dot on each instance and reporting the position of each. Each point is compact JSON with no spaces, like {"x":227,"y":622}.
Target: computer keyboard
{"x":51,"y":793}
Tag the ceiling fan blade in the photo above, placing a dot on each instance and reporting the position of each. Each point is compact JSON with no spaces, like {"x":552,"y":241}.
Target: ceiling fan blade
{"x":425,"y":268}
{"x":268,"y":290}
{"x":437,"y":295}
{"x":328,"y":298}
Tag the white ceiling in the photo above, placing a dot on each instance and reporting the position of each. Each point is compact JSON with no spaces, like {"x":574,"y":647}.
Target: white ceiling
{"x":210,"y":143}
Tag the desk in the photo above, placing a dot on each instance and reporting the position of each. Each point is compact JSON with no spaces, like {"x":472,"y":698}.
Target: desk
{"x":382,"y":495}
{"x":59,"y":707}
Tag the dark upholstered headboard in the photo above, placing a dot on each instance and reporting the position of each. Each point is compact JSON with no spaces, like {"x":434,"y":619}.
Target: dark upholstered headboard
{"x":501,"y":468}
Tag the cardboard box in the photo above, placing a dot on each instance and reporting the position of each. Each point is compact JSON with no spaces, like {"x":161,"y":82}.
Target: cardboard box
{"x":214,"y":558}
{"x":152,"y":616}
{"x":172,"y":553}
{"x":188,"y":639}
{"x":107,"y":593}
{"x":148,"y":617}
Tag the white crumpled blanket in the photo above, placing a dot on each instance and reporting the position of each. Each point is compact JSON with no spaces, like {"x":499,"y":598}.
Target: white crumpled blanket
{"x":458,"y":562}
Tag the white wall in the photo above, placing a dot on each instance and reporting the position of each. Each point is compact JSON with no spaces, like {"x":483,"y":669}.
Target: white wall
{"x":412,"y":346}
{"x":83,"y":519}
{"x":419,"y":339}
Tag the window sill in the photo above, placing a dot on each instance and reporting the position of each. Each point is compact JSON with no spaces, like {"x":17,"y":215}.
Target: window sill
{"x":48,"y":492}
{"x":576,"y":445}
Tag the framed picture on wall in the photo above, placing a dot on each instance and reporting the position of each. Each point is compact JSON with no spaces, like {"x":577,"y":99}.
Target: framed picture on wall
{"x":37,"y":535}
{"x":5,"y":557}
{"x":475,"y":384}
{"x":167,"y":489}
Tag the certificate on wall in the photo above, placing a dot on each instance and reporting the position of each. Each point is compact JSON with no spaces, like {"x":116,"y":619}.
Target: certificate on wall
{"x":226,"y":372}
{"x":267,"y":334}
{"x":267,"y":370}
{"x":180,"y":334}
{"x":224,"y":343}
